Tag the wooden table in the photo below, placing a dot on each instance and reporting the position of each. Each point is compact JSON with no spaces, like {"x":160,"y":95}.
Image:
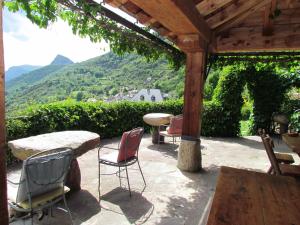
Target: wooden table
{"x":250,"y":198}
{"x":79,"y":141}
{"x":156,"y":120}
{"x":292,"y":142}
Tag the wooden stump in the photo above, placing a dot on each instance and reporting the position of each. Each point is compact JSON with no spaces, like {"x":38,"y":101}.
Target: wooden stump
{"x":74,"y":176}
{"x":189,"y":156}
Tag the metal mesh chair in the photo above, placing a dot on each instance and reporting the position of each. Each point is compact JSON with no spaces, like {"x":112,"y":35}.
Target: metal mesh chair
{"x":127,"y":155}
{"x":174,"y":129}
{"x":42,"y":182}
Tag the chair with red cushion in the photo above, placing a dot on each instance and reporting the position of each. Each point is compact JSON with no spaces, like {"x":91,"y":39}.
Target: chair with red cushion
{"x":174,"y":129}
{"x":126,"y":154}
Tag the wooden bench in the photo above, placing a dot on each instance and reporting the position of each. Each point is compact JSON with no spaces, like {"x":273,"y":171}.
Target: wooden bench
{"x":250,"y":198}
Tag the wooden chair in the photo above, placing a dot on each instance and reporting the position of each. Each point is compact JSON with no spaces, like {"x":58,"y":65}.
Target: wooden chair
{"x":280,"y":157}
{"x":174,"y":129}
{"x":277,"y":168}
{"x":126,"y":155}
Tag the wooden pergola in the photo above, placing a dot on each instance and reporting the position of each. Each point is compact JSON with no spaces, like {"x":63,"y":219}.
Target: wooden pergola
{"x":198,"y":27}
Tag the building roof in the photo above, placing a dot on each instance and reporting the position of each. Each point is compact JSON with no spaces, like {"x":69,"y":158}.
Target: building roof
{"x":149,"y":95}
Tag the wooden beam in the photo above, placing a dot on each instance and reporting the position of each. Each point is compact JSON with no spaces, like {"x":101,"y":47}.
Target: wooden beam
{"x":269,"y":18}
{"x":188,"y":20}
{"x":189,"y":155}
{"x":193,"y":93}
{"x":3,"y":187}
{"x":285,"y":38}
{"x":235,"y":11}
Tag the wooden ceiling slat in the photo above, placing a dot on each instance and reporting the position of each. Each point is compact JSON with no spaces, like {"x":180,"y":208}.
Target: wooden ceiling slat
{"x":251,"y":39}
{"x":115,"y":3}
{"x":207,"y":7}
{"x":129,"y":6}
{"x":288,"y":4}
{"x":235,"y":20}
{"x":268,"y":19}
{"x":242,"y":8}
{"x":286,"y":17}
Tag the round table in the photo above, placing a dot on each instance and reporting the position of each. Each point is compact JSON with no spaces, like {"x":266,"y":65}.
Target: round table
{"x":156,"y":120}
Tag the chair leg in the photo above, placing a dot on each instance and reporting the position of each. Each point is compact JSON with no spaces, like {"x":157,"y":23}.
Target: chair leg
{"x":270,"y":170}
{"x":67,"y":208}
{"x":141,"y":172}
{"x":120,"y":176}
{"x":128,"y":180}
{"x":31,"y":217}
{"x":99,"y":193}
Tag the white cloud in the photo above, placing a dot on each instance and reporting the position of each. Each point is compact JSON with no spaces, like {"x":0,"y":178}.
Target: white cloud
{"x":25,"y":43}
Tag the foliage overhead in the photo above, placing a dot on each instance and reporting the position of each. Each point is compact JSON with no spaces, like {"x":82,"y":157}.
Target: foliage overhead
{"x":87,"y":20}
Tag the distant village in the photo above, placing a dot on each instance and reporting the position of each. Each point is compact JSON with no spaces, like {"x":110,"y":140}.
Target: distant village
{"x":147,"y":95}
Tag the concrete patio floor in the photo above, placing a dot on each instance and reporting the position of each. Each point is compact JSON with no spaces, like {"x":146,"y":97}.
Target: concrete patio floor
{"x":171,"y":196}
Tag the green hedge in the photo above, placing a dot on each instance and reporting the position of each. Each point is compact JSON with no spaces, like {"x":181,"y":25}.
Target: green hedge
{"x":110,"y":119}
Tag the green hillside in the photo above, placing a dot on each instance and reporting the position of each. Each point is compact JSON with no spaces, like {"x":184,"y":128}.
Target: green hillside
{"x":98,"y":78}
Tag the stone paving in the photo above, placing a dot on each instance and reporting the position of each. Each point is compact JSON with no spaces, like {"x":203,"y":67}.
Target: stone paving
{"x":171,"y":196}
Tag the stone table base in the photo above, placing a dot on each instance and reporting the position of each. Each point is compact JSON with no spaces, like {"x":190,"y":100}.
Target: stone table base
{"x":156,"y":136}
{"x":73,"y":179}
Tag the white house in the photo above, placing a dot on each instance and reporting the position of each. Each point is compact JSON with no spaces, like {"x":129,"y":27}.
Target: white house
{"x":149,"y":95}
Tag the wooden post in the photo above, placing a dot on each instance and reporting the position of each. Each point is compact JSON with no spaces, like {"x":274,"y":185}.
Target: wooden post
{"x":189,"y":156}
{"x":3,"y":188}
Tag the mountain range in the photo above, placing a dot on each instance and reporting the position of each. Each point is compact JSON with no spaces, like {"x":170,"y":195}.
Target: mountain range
{"x":99,"y":78}
{"x":16,"y":71}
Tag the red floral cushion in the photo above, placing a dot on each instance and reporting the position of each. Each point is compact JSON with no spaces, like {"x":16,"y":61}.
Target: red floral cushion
{"x":175,"y":125}
{"x":129,"y":145}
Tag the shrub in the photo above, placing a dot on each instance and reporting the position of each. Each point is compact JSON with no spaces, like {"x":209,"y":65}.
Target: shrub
{"x":109,"y":119}
{"x":227,"y":102}
{"x":267,"y":89}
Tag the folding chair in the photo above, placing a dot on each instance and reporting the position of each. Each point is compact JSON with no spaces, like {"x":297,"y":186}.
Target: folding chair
{"x":277,"y":168}
{"x":280,"y":157}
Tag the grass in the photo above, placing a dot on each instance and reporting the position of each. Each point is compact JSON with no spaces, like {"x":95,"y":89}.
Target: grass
{"x":245,"y":127}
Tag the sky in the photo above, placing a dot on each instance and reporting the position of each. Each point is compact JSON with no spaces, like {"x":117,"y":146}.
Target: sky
{"x":26,"y":43}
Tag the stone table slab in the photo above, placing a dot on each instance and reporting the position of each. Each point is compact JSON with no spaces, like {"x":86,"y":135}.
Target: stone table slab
{"x":79,"y":141}
{"x":156,"y":120}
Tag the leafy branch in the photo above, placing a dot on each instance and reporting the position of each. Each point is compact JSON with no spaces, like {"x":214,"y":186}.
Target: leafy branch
{"x":86,"y":20}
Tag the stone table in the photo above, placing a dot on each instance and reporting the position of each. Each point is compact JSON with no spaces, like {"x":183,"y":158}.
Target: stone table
{"x":156,"y":120}
{"x":79,"y":141}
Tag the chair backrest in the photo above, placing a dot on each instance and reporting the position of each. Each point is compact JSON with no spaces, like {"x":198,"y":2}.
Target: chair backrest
{"x":268,"y":143}
{"x":44,"y":172}
{"x":175,"y":126}
{"x":130,"y":143}
{"x":261,"y":132}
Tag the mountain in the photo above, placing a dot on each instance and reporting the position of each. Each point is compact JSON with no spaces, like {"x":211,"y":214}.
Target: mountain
{"x":61,"y":60}
{"x":16,"y":71}
{"x":99,"y":78}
